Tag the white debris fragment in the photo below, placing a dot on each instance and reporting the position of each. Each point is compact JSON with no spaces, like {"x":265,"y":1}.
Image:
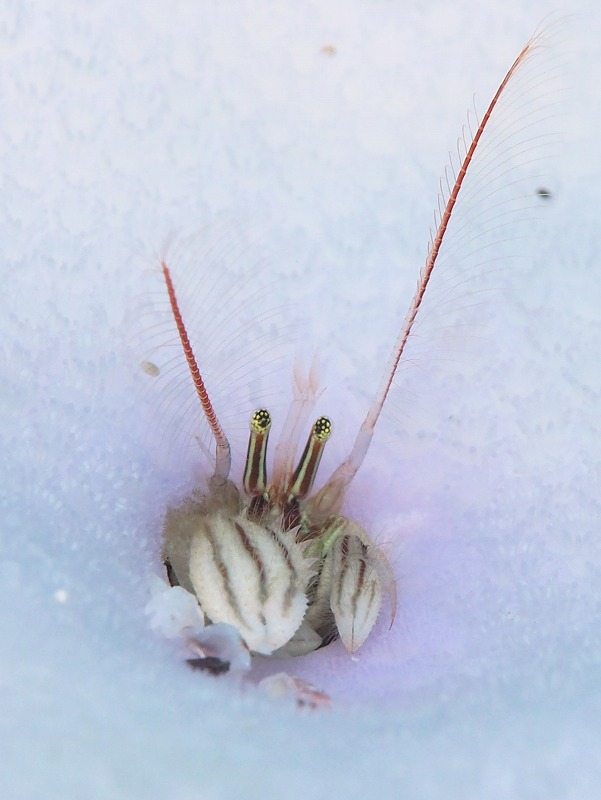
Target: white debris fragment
{"x":224,"y":642}
{"x":173,"y":611}
{"x":302,"y":692}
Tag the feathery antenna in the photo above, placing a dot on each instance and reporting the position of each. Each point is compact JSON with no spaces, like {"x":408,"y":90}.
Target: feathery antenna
{"x":223,"y":458}
{"x":331,"y":495}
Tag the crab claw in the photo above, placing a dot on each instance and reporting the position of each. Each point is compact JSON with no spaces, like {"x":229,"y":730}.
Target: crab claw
{"x":356,"y":589}
{"x":251,"y":577}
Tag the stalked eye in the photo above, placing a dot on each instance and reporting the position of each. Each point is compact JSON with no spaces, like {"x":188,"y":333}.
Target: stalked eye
{"x":304,"y":475}
{"x":255,"y":469}
{"x":322,"y":429}
{"x":260,"y":422}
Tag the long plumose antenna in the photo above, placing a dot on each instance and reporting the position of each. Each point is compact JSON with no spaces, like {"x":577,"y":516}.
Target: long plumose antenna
{"x":331,"y":495}
{"x":223,"y":458}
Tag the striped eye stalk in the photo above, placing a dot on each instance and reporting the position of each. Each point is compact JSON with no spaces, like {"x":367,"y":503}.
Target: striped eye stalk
{"x":273,"y":558}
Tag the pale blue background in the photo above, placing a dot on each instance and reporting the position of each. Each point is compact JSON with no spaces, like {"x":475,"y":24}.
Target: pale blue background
{"x":124,"y":125}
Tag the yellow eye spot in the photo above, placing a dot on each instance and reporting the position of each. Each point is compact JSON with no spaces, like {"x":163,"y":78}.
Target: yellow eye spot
{"x":260,"y":422}
{"x":322,"y":429}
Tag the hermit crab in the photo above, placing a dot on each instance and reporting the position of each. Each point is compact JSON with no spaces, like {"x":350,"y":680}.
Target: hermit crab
{"x":264,"y":551}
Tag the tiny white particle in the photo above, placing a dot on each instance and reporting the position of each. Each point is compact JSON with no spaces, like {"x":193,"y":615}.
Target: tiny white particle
{"x":61,"y":595}
{"x":172,"y":610}
{"x":150,"y":369}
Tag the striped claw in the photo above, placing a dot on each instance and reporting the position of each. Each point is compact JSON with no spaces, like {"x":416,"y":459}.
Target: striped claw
{"x":356,"y":591}
{"x":251,"y":577}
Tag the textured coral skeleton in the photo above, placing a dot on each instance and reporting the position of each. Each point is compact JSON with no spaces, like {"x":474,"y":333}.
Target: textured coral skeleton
{"x":267,"y":554}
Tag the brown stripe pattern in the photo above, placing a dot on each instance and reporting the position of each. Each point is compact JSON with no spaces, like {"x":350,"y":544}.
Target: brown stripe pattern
{"x":250,"y":576}
{"x":356,"y":593}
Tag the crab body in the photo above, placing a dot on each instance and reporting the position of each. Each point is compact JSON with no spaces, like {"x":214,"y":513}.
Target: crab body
{"x":288,"y":577}
{"x":274,"y":559}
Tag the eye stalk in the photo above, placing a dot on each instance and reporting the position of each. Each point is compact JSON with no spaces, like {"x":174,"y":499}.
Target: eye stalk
{"x":255,"y":468}
{"x":304,"y":475}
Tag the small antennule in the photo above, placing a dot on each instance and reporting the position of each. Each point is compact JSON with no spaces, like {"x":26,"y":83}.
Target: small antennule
{"x":223,"y":458}
{"x":255,"y":468}
{"x":306,"y":392}
{"x":304,"y":474}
